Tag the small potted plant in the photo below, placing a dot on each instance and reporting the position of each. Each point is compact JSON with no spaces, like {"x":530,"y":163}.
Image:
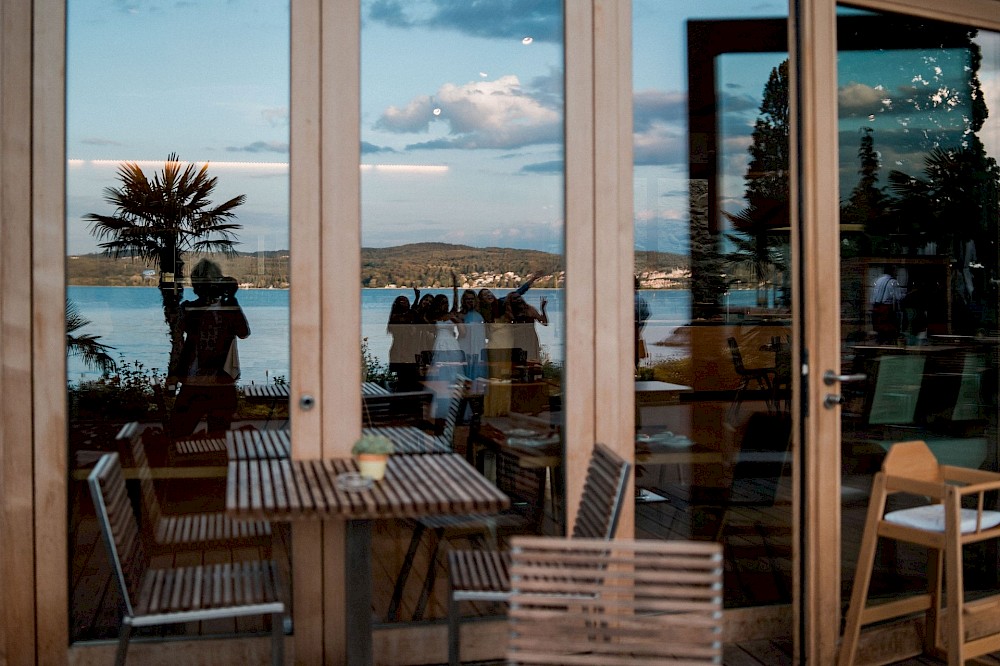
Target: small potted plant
{"x":372,"y":455}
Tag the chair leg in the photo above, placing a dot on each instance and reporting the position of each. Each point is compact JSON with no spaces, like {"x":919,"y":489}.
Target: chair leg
{"x":278,"y":639}
{"x":404,"y":573}
{"x":932,"y":625}
{"x":863,"y":573}
{"x":454,"y":629}
{"x":428,"y":589}
{"x":124,"y":633}
{"x":953,"y":583}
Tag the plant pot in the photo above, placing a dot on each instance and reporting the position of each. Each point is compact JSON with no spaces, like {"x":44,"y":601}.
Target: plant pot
{"x":372,"y":465}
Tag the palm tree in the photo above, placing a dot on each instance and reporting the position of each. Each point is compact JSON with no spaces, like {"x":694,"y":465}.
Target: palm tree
{"x":94,"y":354}
{"x":157,"y":220}
{"x":756,"y":249}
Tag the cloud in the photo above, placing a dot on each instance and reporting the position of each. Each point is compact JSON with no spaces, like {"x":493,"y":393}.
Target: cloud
{"x":861,"y":99}
{"x":100,"y":141}
{"x":491,"y":19}
{"x":740,"y":103}
{"x":555,"y":166}
{"x":650,"y":106}
{"x":368,"y":148}
{"x":260,"y":147}
{"x":496,"y":114}
{"x":276,"y":117}
{"x":660,"y":144}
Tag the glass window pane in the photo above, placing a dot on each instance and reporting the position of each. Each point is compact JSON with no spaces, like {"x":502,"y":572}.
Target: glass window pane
{"x":919,"y":184}
{"x":177,"y":273}
{"x":462,"y":264}
{"x":713,"y":288}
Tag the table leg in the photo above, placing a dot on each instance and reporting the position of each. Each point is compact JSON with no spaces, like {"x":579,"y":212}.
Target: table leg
{"x":358,"y":592}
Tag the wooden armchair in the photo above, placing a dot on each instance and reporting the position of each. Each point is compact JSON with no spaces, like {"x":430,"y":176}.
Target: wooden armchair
{"x":182,"y":594}
{"x":591,"y":601}
{"x":483,"y":575}
{"x":956,"y":516}
{"x":170,"y":532}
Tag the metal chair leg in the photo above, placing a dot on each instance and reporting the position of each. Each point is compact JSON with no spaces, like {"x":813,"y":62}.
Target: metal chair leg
{"x":404,"y":573}
{"x":124,"y":633}
{"x":454,"y":634}
{"x":278,"y":639}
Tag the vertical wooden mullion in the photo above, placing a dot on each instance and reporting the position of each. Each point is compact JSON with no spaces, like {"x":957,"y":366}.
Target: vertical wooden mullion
{"x":578,"y":396}
{"x":305,"y":197}
{"x":813,"y":59}
{"x":613,"y":233}
{"x":16,"y":452}
{"x":48,"y":325}
{"x":340,"y":303}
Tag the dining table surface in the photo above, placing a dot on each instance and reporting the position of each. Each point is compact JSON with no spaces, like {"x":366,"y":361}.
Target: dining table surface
{"x":331,"y":489}
{"x":414,"y":486}
{"x":277,"y":443}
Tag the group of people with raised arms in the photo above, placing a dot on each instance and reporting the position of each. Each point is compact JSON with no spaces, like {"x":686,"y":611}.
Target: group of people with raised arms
{"x":476,"y":321}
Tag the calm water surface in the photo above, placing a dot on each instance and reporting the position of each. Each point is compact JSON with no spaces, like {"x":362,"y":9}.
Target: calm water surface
{"x":131,"y":320}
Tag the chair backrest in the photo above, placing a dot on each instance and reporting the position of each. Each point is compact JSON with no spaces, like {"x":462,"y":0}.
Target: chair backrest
{"x":603,"y":494}
{"x":455,"y":404}
{"x":734,"y":351}
{"x":897,"y":389}
{"x":151,"y":512}
{"x":912,"y":460}
{"x":503,"y":355}
{"x":525,"y":486}
{"x":602,"y":602}
{"x":129,"y":560}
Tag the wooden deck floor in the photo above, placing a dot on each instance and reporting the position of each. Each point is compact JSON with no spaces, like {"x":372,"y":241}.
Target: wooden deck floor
{"x":758,"y":564}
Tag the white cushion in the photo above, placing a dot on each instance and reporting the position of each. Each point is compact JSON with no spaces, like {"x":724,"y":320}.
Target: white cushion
{"x":931,"y":518}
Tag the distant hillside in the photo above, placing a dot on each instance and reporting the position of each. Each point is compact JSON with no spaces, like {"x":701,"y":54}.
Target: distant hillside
{"x":414,"y":265}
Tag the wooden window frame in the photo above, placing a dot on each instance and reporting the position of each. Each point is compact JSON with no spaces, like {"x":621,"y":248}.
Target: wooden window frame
{"x":325,"y":211}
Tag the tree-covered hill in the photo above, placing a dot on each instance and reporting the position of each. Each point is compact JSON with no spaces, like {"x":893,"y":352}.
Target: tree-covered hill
{"x":415,"y":265}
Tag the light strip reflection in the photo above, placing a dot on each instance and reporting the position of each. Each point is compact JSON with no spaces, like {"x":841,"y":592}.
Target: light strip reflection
{"x":261,"y":166}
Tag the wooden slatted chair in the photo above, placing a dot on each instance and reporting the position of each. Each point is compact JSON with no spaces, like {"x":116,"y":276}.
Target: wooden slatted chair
{"x":762,"y":376}
{"x":170,"y":532}
{"x":955,"y":517}
{"x":183,"y":594}
{"x":483,"y":575}
{"x":444,"y":527}
{"x":591,"y":601}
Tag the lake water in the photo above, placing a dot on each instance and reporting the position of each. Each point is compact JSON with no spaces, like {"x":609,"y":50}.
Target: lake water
{"x":130,"y":319}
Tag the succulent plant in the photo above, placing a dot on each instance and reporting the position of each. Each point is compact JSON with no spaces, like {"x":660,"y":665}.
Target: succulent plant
{"x":377,"y":444}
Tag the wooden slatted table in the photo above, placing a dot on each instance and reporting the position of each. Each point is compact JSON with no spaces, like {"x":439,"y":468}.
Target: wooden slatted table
{"x":258,"y":444}
{"x":414,"y":486}
{"x":265,"y":391}
{"x":409,"y":440}
{"x":268,"y":444}
{"x":371,"y":388}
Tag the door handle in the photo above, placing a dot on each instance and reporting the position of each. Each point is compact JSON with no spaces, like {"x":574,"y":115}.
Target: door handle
{"x":830,"y":377}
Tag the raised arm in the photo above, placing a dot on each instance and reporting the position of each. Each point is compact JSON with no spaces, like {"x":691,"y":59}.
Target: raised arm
{"x":530,"y":281}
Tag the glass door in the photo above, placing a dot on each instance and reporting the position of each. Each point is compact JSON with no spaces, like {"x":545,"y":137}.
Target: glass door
{"x":918,"y":139}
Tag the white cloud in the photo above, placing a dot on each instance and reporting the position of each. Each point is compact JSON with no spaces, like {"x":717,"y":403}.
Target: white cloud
{"x":480,"y":114}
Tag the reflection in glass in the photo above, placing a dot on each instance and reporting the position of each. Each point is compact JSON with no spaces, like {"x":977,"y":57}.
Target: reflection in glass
{"x":462,"y":269}
{"x":713,"y":298}
{"x":177,"y":269}
{"x":919,"y":264}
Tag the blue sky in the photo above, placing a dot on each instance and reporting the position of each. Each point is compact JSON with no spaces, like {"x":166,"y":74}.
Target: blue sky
{"x":461,"y":107}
